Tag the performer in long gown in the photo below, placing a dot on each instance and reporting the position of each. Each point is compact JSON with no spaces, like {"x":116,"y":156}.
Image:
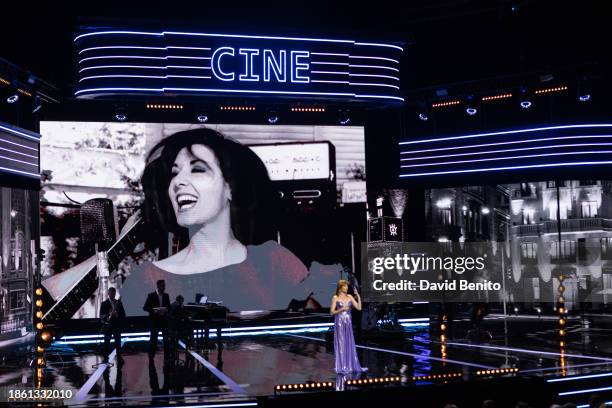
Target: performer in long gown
{"x":344,"y":341}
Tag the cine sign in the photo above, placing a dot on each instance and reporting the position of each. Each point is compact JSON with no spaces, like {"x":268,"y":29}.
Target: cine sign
{"x":262,"y":65}
{"x":115,"y":63}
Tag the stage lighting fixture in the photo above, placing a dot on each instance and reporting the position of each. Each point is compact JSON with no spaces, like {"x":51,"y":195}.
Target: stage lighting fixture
{"x":584,"y":97}
{"x":525,"y":104}
{"x":470,"y":107}
{"x":423,"y":112}
{"x":272,"y":116}
{"x":344,"y":117}
{"x":202,"y":118}
{"x":13,"y":98}
{"x":37,"y":104}
{"x":121,"y":115}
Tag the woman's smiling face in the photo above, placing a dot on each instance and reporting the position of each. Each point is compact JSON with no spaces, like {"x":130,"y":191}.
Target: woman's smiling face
{"x":197,"y":190}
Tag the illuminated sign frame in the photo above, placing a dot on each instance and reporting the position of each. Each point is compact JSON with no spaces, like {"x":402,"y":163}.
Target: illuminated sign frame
{"x":535,"y":149}
{"x":112,"y":63}
{"x":19,"y":152}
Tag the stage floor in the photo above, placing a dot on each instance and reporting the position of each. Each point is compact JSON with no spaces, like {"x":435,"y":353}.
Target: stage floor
{"x":248,"y":366}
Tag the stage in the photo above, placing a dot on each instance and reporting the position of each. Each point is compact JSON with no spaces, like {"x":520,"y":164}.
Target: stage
{"x":266,"y":365}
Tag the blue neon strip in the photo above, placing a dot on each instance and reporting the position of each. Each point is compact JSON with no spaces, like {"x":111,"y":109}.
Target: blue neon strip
{"x":417,"y":319}
{"x":379,"y":96}
{"x":120,"y":56}
{"x":122,"y":66}
{"x":562,"y":394}
{"x":186,"y":67}
{"x":329,"y":54}
{"x":19,"y":161}
{"x":507,"y":168}
{"x":414,"y":324}
{"x":144,"y":76}
{"x":9,"y":129}
{"x":580,"y":377}
{"x":241,"y":329}
{"x":144,"y":48}
{"x":123,"y":47}
{"x":375,"y":76}
{"x":23,"y":154}
{"x":368,"y":84}
{"x":34,"y":175}
{"x":507,"y":132}
{"x":328,"y":63}
{"x":329,"y":82}
{"x":329,"y":72}
{"x":587,"y":405}
{"x":141,"y":57}
{"x":505,"y":143}
{"x":376,"y":58}
{"x":506,"y":150}
{"x":20,"y":145}
{"x":381,"y":45}
{"x":374,"y":66}
{"x":236,"y":36}
{"x":120,"y":89}
{"x":505,"y":158}
{"x":235,"y":91}
{"x":94,"y":339}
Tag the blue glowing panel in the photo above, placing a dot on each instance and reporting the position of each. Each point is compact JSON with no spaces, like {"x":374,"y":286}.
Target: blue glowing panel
{"x":169,"y":63}
{"x":554,"y":148}
{"x":19,"y":152}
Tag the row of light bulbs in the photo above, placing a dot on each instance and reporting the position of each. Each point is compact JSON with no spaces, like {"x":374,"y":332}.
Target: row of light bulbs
{"x":498,"y":371}
{"x":311,"y":385}
{"x":525,"y":103}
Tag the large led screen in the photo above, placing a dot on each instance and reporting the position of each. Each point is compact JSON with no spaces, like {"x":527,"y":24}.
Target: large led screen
{"x":251,"y":217}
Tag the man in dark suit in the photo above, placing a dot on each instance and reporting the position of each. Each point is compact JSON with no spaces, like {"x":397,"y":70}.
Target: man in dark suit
{"x":157,"y":305}
{"x":112,"y":314}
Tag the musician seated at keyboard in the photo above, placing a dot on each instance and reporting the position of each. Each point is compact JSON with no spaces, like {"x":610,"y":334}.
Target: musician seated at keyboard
{"x":215,"y":194}
{"x":112,"y":314}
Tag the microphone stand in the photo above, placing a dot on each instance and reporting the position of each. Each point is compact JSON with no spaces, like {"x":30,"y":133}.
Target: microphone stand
{"x":103,"y":276}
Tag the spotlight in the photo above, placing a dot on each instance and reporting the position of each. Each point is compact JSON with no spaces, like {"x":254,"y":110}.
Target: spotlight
{"x":121,"y":114}
{"x":202,"y":118}
{"x":344,"y":117}
{"x":584,"y":89}
{"x":526,"y":104}
{"x":13,"y":98}
{"x":470,"y":107}
{"x":423,"y":116}
{"x":272,"y":117}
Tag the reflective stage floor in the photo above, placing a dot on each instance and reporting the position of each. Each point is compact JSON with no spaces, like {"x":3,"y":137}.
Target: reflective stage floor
{"x":246,"y":366}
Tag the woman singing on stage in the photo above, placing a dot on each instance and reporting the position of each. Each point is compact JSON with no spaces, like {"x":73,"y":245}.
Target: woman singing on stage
{"x":344,"y":342}
{"x":215,"y":195}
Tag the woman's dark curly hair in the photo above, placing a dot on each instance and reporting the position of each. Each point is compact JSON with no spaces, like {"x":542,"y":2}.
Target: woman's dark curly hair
{"x":253,"y":199}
